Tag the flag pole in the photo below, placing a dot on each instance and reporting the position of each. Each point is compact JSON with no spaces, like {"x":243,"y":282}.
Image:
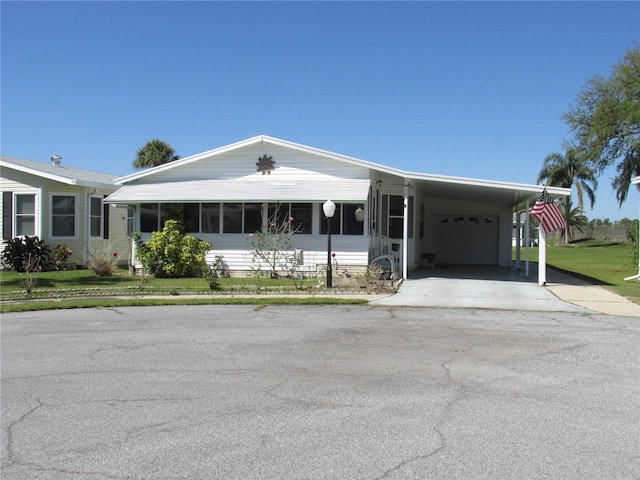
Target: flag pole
{"x":542,"y":257}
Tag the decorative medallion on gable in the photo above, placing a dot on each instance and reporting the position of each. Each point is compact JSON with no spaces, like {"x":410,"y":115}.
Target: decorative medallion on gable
{"x":266,"y":164}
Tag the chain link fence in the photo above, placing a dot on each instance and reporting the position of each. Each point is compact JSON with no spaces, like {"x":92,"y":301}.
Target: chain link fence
{"x":608,"y":234}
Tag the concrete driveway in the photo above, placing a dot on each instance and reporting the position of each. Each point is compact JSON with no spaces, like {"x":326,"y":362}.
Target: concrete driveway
{"x":488,"y":287}
{"x":325,"y":392}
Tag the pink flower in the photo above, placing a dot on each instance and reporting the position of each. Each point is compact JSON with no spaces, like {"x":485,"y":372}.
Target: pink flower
{"x":273,"y":224}
{"x":251,"y":234}
{"x":291,"y":219}
{"x":333,"y":255}
{"x":115,"y":254}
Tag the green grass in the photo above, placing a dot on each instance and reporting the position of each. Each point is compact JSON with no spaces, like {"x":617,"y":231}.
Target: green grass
{"x":84,"y":289}
{"x":603,"y":264}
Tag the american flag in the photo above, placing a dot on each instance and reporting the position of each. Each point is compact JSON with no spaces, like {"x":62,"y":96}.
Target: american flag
{"x":548,"y":214}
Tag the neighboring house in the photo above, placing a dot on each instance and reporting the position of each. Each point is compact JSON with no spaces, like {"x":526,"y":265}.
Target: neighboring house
{"x":419,"y":219}
{"x":62,"y":206}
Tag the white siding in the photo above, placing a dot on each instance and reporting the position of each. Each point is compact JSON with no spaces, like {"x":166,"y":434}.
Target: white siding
{"x":350,"y":251}
{"x":241,"y":163}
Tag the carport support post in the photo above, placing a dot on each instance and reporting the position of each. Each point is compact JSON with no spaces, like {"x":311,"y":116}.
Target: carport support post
{"x":542,"y":257}
{"x":405,"y":230}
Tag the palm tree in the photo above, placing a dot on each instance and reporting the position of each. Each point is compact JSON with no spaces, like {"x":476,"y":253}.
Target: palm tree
{"x":154,"y":153}
{"x":577,"y":219}
{"x":570,"y":170}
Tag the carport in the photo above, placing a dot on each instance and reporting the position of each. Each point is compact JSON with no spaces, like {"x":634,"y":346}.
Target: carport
{"x":468,"y":222}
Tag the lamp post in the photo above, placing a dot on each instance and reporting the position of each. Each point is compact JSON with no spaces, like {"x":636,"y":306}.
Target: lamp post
{"x":329,"y":208}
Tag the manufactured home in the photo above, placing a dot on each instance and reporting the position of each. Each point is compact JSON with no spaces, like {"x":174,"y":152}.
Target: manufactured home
{"x":419,"y":220}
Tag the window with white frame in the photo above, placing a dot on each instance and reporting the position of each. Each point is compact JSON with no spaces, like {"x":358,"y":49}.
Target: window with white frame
{"x":63,"y":215}
{"x":25,"y":214}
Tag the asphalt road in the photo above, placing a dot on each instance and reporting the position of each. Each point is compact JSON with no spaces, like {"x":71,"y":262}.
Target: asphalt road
{"x":326,"y":392}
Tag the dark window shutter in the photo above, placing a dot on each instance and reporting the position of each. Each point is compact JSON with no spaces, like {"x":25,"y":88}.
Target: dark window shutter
{"x":105,"y":219}
{"x":7,"y":215}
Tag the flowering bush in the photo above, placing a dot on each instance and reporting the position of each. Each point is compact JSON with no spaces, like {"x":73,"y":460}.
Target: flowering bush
{"x":61,"y":254}
{"x":272,"y":245}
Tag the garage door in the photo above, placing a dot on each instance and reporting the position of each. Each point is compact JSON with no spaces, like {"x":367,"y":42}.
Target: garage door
{"x":467,"y":239}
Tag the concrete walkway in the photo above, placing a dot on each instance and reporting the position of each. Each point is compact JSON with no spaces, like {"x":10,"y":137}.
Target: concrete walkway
{"x":503,"y":288}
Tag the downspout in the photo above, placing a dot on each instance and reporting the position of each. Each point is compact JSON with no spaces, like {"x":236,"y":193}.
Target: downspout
{"x":405,"y":230}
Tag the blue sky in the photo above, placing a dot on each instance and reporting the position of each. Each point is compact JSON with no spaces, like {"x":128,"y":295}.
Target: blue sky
{"x":473,"y":89}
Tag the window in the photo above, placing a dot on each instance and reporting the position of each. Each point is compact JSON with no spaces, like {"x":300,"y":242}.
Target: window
{"x":335,"y":221}
{"x":396,"y":210}
{"x":302,"y":214}
{"x":232,"y":218}
{"x":350,"y":224}
{"x":191,"y":217}
{"x":298,"y":215}
{"x":149,"y":217}
{"x":393,"y":208}
{"x":252,"y":217}
{"x":63,"y":215}
{"x":131,"y":220}
{"x":210,"y":218}
{"x":344,"y":220}
{"x":25,"y":214}
{"x":95,"y":216}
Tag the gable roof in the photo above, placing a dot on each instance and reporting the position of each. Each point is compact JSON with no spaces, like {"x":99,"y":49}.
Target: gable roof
{"x":515,"y":195}
{"x":252,"y":141}
{"x":60,"y":173}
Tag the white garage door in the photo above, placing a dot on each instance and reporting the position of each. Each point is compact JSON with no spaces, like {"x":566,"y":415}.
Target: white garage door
{"x":467,"y":239}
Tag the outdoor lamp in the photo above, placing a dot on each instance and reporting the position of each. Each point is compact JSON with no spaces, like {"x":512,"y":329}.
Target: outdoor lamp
{"x":359,"y":214}
{"x":329,"y":208}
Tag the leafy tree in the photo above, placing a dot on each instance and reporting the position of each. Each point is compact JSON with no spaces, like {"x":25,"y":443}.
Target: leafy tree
{"x":570,"y":170}
{"x":154,"y":153}
{"x":606,"y":121}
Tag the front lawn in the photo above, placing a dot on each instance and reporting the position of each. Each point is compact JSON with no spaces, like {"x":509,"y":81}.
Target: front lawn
{"x":603,"y":264}
{"x":83,"y":288}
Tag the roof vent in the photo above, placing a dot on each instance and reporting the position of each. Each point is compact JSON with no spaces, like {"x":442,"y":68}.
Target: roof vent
{"x":56,"y":159}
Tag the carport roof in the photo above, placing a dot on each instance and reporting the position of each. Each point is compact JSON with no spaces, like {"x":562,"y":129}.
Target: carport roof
{"x":513,"y":195}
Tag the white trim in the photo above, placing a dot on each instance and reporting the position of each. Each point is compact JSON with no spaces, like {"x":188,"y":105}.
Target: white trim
{"x":36,"y":212}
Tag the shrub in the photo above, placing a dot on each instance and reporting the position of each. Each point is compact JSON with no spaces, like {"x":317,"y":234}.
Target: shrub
{"x":27,"y":254}
{"x":102,"y":259}
{"x":170,"y":253}
{"x":60,"y":255}
{"x":272,"y":244}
